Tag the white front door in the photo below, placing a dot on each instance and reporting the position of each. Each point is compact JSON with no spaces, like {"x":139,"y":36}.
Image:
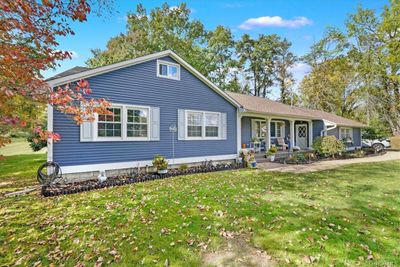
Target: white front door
{"x":301,"y":135}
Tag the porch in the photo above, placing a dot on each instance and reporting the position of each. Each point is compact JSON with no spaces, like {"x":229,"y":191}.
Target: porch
{"x":260,"y":156}
{"x":260,"y":133}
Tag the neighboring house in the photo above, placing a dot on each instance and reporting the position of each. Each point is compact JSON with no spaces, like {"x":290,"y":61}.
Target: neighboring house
{"x":154,"y":94}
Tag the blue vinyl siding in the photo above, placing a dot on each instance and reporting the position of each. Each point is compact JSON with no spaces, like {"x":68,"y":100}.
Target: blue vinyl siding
{"x":139,"y":85}
{"x":356,"y":135}
{"x":318,"y":126}
{"x":246,"y":131}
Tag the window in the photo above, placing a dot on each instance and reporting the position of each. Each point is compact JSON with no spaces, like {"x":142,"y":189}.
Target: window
{"x":277,"y":129}
{"x":194,"y":124}
{"x":345,"y":133}
{"x":137,"y":122}
{"x":212,"y":124}
{"x":125,"y":123}
{"x":260,"y":128}
{"x":168,"y":70}
{"x":110,"y":125}
{"x":202,"y":125}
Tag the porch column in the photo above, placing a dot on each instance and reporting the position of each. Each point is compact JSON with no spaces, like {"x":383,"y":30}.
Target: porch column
{"x":268,"y":134}
{"x":292,"y":133}
{"x":310,"y":134}
{"x":239,"y":131}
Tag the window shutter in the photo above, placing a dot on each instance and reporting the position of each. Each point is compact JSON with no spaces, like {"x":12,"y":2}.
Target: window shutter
{"x":224,"y":126}
{"x":87,"y":131}
{"x":155,"y":124}
{"x":181,"y":124}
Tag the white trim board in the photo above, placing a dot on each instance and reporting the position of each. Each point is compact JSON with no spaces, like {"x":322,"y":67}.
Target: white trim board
{"x":49,"y":128}
{"x":143,"y":163}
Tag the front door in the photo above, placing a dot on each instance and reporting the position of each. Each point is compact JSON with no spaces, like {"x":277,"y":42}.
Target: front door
{"x":301,"y":135}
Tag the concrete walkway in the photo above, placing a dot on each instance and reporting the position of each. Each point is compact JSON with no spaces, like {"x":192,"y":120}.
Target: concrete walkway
{"x":325,"y":165}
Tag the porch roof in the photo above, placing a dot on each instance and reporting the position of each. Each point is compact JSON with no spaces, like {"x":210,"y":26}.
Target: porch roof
{"x":270,"y":107}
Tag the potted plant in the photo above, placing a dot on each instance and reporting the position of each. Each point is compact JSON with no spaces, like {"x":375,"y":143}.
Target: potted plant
{"x":248,"y":158}
{"x":252,"y":159}
{"x":161,"y":164}
{"x":271,"y":153}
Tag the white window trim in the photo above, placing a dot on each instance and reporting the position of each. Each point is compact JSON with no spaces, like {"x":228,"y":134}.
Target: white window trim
{"x":162,"y":62}
{"x":345,"y":128}
{"x":109,"y":138}
{"x":253,"y":123}
{"x":124,"y":123}
{"x":203,"y":127}
{"x":276,"y":129}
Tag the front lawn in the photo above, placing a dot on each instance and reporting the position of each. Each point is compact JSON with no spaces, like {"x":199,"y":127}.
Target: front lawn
{"x":341,"y":217}
{"x":19,"y":171}
{"x":19,"y":146}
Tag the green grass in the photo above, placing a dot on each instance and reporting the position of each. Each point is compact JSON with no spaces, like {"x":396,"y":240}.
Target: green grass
{"x":19,"y":146}
{"x":337,"y":217}
{"x":19,"y":171}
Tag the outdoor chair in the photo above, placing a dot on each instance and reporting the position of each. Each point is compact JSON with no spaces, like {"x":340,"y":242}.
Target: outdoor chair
{"x":281,"y":143}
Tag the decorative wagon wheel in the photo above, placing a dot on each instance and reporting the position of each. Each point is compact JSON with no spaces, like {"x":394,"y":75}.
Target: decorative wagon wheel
{"x":49,"y":173}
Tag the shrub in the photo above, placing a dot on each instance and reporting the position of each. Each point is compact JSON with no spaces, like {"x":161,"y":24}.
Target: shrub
{"x":359,"y":153}
{"x":183,"y":167}
{"x":272,"y":151}
{"x":35,"y":142}
{"x":160,"y":162}
{"x":328,"y":146}
{"x":395,"y":142}
{"x":372,"y":133}
{"x":300,"y":157}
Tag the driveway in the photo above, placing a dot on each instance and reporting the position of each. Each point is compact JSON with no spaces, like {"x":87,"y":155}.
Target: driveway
{"x":326,"y":165}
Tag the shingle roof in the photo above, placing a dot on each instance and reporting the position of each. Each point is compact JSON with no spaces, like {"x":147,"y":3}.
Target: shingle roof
{"x":68,"y":72}
{"x":263,"y":105}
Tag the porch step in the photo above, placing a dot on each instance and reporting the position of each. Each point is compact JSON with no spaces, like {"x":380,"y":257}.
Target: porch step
{"x":261,"y":158}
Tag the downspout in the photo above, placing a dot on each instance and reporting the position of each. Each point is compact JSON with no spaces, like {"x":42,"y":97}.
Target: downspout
{"x":324,"y":132}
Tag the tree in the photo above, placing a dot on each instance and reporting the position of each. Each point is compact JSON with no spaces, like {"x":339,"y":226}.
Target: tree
{"x":284,"y":61}
{"x":332,"y":86}
{"x":28,"y":46}
{"x":376,"y":50}
{"x":257,"y":60}
{"x":371,"y":46}
{"x":161,"y":29}
{"x":221,"y":49}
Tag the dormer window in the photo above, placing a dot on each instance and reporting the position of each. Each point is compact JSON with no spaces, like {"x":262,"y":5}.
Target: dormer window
{"x":168,"y":70}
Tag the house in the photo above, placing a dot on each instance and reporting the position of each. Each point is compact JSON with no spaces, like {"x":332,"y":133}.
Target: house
{"x":162,"y":105}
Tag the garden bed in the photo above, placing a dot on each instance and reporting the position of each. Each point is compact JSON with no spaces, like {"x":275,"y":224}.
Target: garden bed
{"x":71,"y":188}
{"x":310,"y":157}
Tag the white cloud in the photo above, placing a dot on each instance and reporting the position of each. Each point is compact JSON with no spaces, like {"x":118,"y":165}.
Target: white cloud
{"x":300,"y":69}
{"x":274,"y":21}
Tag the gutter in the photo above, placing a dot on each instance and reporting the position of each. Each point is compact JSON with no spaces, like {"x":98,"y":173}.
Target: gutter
{"x":326,"y":129}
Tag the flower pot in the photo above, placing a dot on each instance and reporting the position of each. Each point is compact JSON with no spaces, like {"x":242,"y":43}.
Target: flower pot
{"x":272,"y":157}
{"x":162,"y":171}
{"x":254,"y":164}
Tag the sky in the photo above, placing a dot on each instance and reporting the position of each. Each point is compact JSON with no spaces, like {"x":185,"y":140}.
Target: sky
{"x":303,"y":22}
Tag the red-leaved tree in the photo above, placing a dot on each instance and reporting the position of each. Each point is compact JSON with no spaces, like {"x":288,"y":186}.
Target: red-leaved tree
{"x":28,"y":46}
